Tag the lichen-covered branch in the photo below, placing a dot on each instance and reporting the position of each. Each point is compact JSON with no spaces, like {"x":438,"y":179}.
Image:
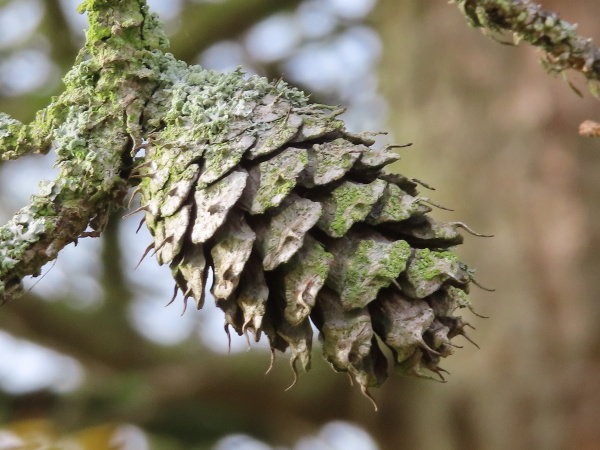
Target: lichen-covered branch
{"x":18,"y":140}
{"x":529,"y":22}
{"x":93,"y":126}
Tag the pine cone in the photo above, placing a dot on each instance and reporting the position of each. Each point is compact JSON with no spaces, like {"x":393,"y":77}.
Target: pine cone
{"x":298,"y":223}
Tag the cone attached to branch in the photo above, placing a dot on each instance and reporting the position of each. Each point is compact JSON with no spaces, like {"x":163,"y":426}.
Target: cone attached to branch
{"x":299,"y":223}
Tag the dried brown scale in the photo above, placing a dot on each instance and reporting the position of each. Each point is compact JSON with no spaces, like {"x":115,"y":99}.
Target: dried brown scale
{"x":299,"y":224}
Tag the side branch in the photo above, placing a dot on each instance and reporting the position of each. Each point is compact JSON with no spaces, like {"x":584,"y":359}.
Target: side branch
{"x":17,"y":140}
{"x":39,"y":231}
{"x":92,"y":126}
{"x":29,"y":241}
{"x":529,"y":22}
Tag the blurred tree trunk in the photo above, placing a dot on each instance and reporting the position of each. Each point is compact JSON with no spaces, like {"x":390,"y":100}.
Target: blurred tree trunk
{"x":511,"y":163}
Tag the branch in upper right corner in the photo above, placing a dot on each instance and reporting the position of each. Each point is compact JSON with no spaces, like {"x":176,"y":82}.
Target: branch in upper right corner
{"x":529,"y":22}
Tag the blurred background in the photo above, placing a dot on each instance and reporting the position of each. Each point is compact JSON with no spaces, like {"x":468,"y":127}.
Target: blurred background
{"x":90,"y":357}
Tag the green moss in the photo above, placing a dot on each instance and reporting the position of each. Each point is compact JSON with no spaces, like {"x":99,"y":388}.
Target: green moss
{"x":320,"y":266}
{"x":350,"y":203}
{"x":278,"y":177}
{"x":372,"y":266}
{"x":428,"y":264}
{"x":357,"y":268}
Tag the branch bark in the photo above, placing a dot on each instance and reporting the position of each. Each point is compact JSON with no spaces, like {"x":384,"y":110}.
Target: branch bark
{"x":543,"y":29}
{"x":94,"y":125}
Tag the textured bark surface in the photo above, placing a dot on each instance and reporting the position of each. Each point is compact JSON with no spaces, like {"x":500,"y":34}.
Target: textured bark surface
{"x":93,"y":126}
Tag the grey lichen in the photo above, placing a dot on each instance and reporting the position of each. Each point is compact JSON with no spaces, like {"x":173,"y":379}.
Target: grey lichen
{"x":395,"y":205}
{"x":213,"y":204}
{"x":283,"y":235}
{"x":90,"y":127}
{"x":232,"y":249}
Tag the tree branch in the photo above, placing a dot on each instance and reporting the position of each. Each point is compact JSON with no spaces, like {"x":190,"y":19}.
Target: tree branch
{"x":529,"y":22}
{"x":94,"y":124}
{"x":18,"y":140}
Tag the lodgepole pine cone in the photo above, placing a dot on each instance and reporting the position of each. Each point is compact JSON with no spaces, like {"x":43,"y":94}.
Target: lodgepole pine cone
{"x":298,"y":223}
